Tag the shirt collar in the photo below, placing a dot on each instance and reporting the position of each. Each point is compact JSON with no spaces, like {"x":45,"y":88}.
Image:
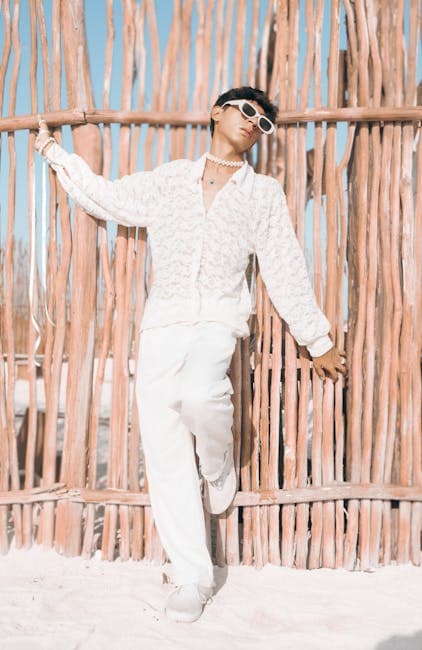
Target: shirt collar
{"x":243,"y":177}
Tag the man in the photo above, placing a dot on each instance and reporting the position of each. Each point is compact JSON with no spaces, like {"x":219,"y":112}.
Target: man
{"x":204,"y":219}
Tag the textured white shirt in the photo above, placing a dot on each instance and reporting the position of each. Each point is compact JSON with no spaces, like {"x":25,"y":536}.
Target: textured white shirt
{"x":200,"y":258}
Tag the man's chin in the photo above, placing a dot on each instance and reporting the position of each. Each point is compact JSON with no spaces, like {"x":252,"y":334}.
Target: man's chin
{"x":242,"y":147}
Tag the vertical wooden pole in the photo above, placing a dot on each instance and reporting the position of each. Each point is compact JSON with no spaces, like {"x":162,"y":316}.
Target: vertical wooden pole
{"x":33,"y":303}
{"x":87,"y":142}
{"x":274,"y":386}
{"x":302,"y":518}
{"x":317,"y":390}
{"x":367,"y":40}
{"x":416,"y":528}
{"x":47,"y":521}
{"x":137,"y":545}
{"x":328,"y":550}
{"x":12,"y":469}
{"x":232,"y":526}
{"x":256,"y":533}
{"x":118,"y":450}
{"x":4,"y":381}
{"x":290,"y":448}
{"x":357,"y":300}
{"x":340,"y":427}
{"x":88,"y":541}
{"x":246,"y":450}
{"x":410,"y":467}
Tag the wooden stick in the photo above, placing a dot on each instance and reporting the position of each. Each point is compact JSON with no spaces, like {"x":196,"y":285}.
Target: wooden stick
{"x":82,"y":326}
{"x":4,"y":456}
{"x":263,"y":154}
{"x":407,"y":340}
{"x":370,"y":346}
{"x":254,"y":462}
{"x":253,"y":42}
{"x":44,"y":52}
{"x":317,"y":392}
{"x":232,"y":525}
{"x":385,"y":353}
{"x":77,"y":117}
{"x":275,"y":360}
{"x":12,"y":468}
{"x":410,"y":333}
{"x":118,"y":449}
{"x":33,"y":306}
{"x":264,"y":421}
{"x":288,"y":514}
{"x":135,"y":468}
{"x":134,"y":435}
{"x":48,"y":362}
{"x":223,"y":20}
{"x":59,"y":492}
{"x":339,"y":417}
{"x":328,"y":548}
{"x":47,"y":515}
{"x":417,"y":402}
{"x":246,"y":449}
{"x":6,"y":50}
{"x":302,"y":518}
{"x":88,"y":541}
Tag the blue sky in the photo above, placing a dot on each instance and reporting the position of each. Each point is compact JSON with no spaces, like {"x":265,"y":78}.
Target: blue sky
{"x":95,"y":11}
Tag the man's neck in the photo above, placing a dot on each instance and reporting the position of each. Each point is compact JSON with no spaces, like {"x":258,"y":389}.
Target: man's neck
{"x":224,"y":150}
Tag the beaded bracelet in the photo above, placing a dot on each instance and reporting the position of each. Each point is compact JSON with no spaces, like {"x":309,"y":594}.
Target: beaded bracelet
{"x":51,"y":139}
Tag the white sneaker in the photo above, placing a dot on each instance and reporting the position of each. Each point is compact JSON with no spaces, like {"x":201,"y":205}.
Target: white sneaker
{"x":219,"y":494}
{"x":187,"y":602}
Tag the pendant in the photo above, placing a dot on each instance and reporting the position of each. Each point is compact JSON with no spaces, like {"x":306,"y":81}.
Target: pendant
{"x":212,"y":182}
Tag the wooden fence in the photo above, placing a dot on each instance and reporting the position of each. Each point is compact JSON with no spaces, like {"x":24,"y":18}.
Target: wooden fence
{"x":330,"y":475}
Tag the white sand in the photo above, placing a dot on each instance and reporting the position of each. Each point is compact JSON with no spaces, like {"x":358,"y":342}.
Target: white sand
{"x":56,"y":603}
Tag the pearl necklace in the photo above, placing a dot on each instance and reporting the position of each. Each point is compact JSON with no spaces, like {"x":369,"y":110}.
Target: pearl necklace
{"x":225,"y":163}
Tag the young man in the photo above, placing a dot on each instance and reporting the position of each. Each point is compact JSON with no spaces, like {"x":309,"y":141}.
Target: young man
{"x":204,"y":219}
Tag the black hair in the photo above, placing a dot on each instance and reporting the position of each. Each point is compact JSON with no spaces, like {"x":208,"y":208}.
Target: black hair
{"x":247,"y":92}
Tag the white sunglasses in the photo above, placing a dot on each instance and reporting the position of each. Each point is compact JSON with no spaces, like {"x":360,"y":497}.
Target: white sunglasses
{"x":248,"y":110}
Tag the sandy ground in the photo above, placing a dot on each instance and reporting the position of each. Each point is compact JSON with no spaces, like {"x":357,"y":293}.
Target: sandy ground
{"x":56,"y":603}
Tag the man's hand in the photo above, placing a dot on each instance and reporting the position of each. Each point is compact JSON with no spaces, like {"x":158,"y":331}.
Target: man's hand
{"x":44,"y":139}
{"x":330,"y":364}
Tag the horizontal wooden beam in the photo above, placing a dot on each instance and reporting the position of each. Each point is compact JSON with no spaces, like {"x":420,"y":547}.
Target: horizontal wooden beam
{"x":54,"y":119}
{"x":333,"y":492}
{"x":75,"y":117}
{"x":355,"y":114}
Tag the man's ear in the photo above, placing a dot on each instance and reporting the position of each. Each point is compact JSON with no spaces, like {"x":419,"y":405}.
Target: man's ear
{"x":216,"y":113}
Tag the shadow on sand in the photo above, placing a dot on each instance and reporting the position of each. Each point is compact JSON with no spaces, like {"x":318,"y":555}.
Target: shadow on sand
{"x":402,"y":642}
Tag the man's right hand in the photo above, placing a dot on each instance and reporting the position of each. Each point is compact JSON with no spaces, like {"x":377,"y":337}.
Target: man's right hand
{"x":42,"y":137}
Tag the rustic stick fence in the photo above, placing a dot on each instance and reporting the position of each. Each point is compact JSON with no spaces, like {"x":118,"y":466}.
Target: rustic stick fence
{"x":330,"y":475}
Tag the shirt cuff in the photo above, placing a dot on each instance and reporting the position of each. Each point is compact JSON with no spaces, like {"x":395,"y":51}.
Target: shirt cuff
{"x":320,"y":346}
{"x":55,"y":154}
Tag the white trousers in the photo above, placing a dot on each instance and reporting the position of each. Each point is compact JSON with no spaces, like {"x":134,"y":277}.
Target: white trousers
{"x":182,"y":388}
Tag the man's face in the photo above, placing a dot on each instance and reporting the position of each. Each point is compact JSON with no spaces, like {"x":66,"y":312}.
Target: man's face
{"x":230,"y":124}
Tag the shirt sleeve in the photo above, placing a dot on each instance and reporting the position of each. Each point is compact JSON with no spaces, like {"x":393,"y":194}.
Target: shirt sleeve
{"x":283,"y":269}
{"x":126,"y":201}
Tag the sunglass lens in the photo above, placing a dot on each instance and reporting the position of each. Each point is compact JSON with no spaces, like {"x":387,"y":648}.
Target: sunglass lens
{"x":265,"y":125}
{"x":249,"y":110}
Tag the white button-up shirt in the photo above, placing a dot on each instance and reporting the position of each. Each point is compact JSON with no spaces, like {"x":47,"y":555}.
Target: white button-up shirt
{"x":200,"y":258}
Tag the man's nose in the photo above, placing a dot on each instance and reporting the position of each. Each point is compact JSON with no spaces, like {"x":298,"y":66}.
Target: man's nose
{"x":254,"y":120}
